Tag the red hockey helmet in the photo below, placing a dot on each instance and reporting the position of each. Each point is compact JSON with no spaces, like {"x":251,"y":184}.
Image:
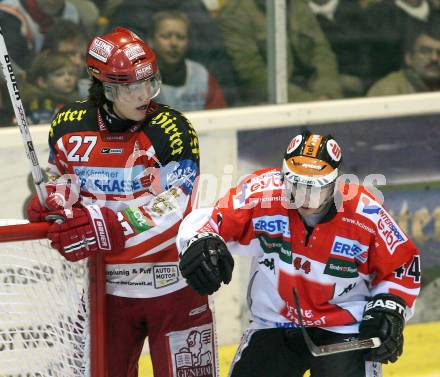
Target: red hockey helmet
{"x":121,"y":57}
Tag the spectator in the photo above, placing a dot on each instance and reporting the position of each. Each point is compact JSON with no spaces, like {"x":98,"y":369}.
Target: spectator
{"x":205,"y":46}
{"x":25,"y":23}
{"x":64,"y":37}
{"x":88,"y":14}
{"x":421,"y":72}
{"x":186,"y":84}
{"x":54,"y":79}
{"x":344,"y":25}
{"x":389,"y":25}
{"x":312,"y":65}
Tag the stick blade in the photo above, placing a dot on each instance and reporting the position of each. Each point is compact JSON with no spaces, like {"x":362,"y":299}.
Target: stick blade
{"x":353,"y":345}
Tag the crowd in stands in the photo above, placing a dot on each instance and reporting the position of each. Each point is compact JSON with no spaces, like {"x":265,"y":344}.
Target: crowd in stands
{"x":213,"y":54}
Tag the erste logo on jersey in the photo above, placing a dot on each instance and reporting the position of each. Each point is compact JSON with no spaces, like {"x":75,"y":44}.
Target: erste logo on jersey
{"x":352,"y":249}
{"x":101,"y":49}
{"x":273,"y":225}
{"x":387,"y":228}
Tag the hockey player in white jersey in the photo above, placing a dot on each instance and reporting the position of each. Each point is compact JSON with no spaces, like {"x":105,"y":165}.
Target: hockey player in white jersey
{"x":356,"y":272}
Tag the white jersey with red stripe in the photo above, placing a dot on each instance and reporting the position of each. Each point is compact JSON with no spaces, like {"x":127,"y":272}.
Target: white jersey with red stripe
{"x":347,"y":258}
{"x":145,"y":174}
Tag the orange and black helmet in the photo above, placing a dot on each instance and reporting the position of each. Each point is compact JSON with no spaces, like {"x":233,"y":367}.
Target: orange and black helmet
{"x":312,"y":160}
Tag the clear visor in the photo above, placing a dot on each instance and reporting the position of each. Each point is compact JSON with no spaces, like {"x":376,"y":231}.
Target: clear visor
{"x":143,"y":90}
{"x":308,"y":196}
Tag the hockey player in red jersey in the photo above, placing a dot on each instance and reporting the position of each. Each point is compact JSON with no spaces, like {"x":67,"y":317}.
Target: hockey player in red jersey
{"x":355,"y":271}
{"x":135,"y":163}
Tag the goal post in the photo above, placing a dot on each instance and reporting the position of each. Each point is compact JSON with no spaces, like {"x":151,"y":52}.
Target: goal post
{"x":52,"y":312}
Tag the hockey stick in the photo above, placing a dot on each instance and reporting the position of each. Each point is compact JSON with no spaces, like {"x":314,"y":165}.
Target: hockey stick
{"x":331,"y":349}
{"x":15,"y":97}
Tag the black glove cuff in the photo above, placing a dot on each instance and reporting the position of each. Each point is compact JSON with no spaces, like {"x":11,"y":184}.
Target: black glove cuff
{"x":199,"y":237}
{"x":387,"y":303}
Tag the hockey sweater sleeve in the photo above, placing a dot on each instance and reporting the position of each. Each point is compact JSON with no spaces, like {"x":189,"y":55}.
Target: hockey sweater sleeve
{"x":231,"y":218}
{"x":394,"y":261}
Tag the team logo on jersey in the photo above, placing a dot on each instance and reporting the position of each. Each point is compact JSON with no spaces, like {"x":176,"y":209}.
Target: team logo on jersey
{"x":192,"y":352}
{"x":387,"y":228}
{"x":352,"y":249}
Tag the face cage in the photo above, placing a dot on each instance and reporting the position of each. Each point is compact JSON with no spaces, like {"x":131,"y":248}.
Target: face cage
{"x":309,"y":196}
{"x":145,"y":90}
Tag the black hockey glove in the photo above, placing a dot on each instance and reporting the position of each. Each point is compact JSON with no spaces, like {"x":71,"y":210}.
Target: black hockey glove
{"x":206,"y":262}
{"x":384,"y":317}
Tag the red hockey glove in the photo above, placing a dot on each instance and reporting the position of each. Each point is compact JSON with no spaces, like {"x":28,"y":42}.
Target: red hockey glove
{"x":85,"y":231}
{"x":59,"y":197}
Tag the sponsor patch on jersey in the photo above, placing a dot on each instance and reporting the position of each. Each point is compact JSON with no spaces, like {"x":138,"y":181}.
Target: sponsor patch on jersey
{"x":276,"y":245}
{"x":267,"y":182}
{"x":273,"y":225}
{"x":352,"y":249}
{"x":341,"y":268}
{"x":112,"y":150}
{"x":99,"y":180}
{"x":134,"y":51}
{"x":140,"y":221}
{"x":181,"y":173}
{"x":144,"y":72}
{"x":192,"y":352}
{"x":101,"y":49}
{"x":165,"y":275}
{"x":387,"y":228}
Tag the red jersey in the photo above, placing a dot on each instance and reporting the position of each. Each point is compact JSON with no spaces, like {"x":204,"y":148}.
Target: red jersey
{"x":352,"y":254}
{"x":145,"y":174}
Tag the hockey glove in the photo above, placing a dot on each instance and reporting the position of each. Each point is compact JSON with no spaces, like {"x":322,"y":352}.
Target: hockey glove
{"x":384,"y":317}
{"x":206,"y":263}
{"x":59,"y":197}
{"x":85,"y":231}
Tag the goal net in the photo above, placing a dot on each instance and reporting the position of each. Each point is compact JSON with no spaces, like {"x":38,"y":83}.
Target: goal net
{"x":50,"y":309}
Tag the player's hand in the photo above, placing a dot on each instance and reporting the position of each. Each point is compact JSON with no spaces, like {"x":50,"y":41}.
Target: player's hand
{"x":59,"y":196}
{"x":384,"y":317}
{"x":86,"y":230}
{"x":206,"y":262}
